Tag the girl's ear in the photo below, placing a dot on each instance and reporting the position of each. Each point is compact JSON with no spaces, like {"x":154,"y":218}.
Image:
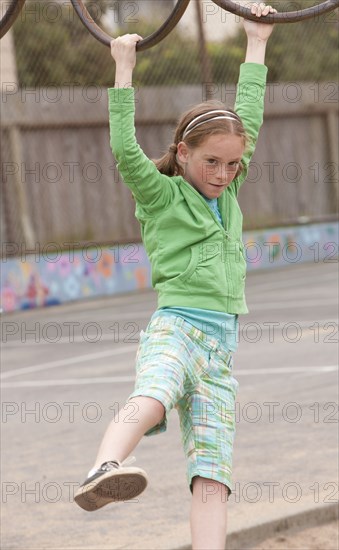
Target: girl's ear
{"x":182,"y":152}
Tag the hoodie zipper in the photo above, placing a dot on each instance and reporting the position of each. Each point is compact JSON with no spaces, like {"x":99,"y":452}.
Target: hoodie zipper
{"x":226,"y":233}
{"x":208,"y":208}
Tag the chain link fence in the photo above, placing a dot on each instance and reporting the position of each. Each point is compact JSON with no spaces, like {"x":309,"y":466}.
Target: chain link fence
{"x":59,"y":181}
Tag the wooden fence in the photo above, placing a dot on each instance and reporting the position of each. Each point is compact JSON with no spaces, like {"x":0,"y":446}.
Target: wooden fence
{"x":60,"y":184}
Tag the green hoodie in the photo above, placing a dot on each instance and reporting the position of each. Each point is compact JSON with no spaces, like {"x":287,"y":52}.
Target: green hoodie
{"x":196,"y":261}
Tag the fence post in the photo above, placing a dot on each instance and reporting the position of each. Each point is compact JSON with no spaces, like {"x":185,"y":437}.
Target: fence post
{"x":24,"y":216}
{"x":205,"y":63}
{"x":9,"y":74}
{"x":333,"y":148}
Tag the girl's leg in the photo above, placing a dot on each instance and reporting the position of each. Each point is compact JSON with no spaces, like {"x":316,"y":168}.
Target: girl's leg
{"x":124,"y":432}
{"x":208,"y":514}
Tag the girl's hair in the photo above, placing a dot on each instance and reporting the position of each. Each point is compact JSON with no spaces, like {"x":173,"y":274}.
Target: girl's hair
{"x":168,"y":163}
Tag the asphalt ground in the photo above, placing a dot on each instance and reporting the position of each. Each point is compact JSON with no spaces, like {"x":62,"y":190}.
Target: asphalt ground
{"x":66,"y":370}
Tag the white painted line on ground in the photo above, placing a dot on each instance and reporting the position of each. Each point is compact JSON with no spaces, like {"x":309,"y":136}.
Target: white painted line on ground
{"x":70,"y":361}
{"x":123,"y":379}
{"x":282,"y":284}
{"x":292,"y":305}
{"x":284,"y":370}
{"x":124,"y":336}
{"x":68,"y":382}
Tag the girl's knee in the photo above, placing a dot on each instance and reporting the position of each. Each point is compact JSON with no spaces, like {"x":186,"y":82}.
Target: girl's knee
{"x":153,"y":406}
{"x":159,"y":409}
{"x":209,"y":488}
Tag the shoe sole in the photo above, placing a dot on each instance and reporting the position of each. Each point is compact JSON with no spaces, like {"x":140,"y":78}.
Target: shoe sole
{"x":113,"y":486}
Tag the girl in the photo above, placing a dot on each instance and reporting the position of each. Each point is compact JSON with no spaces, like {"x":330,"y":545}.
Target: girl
{"x":191,"y":226}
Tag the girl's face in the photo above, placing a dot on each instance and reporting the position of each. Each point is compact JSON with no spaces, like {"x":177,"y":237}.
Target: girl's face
{"x":212,"y":166}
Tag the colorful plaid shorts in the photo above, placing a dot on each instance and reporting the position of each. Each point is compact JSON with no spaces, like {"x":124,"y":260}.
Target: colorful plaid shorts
{"x":184,"y":368}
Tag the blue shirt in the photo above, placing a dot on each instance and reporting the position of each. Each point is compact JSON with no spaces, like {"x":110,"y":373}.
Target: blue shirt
{"x":213,"y":204}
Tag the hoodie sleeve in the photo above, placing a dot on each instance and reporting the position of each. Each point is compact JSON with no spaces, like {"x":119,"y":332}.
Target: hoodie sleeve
{"x":249,"y":105}
{"x":151,"y":189}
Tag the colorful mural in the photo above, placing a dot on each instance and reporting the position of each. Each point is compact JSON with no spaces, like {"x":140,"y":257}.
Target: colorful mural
{"x":35,"y":281}
{"x":42,"y":280}
{"x":291,"y":245}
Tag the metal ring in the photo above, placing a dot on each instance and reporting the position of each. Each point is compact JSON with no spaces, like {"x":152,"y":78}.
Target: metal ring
{"x":148,"y":42}
{"x":10,"y":16}
{"x":281,"y":17}
{"x":179,"y":10}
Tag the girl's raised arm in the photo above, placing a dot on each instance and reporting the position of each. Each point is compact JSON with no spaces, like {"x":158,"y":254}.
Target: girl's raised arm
{"x":257,"y":34}
{"x":123,"y":51}
{"x":251,"y":87}
{"x":150,"y":189}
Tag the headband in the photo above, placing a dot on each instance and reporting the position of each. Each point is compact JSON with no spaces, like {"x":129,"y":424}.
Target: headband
{"x":231,"y":116}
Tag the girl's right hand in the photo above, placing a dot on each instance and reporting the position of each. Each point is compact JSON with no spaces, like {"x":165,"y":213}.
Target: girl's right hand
{"x":255,"y":29}
{"x":123,"y":50}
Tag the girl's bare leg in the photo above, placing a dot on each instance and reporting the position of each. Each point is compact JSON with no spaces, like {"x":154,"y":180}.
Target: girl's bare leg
{"x":124,"y":432}
{"x":208,"y":514}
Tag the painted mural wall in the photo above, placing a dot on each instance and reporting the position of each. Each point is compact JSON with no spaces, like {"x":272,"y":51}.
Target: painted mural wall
{"x":50,"y":277}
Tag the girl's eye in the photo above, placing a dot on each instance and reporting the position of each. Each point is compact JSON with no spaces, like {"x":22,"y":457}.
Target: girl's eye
{"x":212,"y":161}
{"x":235,"y":163}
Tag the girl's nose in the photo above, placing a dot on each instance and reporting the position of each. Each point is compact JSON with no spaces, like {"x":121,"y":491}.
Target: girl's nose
{"x":223,"y":174}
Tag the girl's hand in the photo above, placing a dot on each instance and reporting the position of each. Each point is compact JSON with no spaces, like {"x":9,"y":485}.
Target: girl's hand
{"x":123,"y":50}
{"x":254,"y":29}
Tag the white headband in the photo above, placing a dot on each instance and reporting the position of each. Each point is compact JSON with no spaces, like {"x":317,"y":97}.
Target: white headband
{"x":188,"y":129}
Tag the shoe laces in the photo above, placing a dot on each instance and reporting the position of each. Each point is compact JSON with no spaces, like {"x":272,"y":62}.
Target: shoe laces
{"x":107,"y":466}
{"x":129,"y":460}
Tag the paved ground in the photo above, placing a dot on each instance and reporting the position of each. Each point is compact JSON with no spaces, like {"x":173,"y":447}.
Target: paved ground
{"x":67,"y":369}
{"x":324,"y":537}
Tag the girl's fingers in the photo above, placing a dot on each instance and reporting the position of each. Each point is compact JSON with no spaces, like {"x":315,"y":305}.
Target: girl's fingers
{"x":256,"y":9}
{"x":134,"y":36}
{"x":269,"y":9}
{"x":127,"y":38}
{"x":262,"y":9}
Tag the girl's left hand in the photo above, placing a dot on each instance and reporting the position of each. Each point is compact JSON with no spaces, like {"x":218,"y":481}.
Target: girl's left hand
{"x":254,"y":29}
{"x":123,"y":50}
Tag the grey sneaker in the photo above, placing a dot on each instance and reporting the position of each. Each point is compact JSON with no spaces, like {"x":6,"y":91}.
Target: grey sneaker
{"x":114,"y":481}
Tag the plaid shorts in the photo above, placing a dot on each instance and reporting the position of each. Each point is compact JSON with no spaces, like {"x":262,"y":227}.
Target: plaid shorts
{"x":184,"y":368}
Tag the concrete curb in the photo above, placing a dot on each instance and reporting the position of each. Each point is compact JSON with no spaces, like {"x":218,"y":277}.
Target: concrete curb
{"x":247,"y":538}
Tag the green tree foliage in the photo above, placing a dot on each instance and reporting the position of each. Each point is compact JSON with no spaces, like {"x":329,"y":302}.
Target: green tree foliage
{"x":302,"y":51}
{"x":57,"y":50}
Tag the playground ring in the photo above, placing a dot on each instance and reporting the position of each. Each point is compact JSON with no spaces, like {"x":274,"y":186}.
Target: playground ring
{"x":281,"y":17}
{"x":12,"y":12}
{"x":148,"y":42}
{"x":326,"y":6}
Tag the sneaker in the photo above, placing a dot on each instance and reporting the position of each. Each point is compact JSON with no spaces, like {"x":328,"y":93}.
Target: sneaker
{"x":114,"y":481}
